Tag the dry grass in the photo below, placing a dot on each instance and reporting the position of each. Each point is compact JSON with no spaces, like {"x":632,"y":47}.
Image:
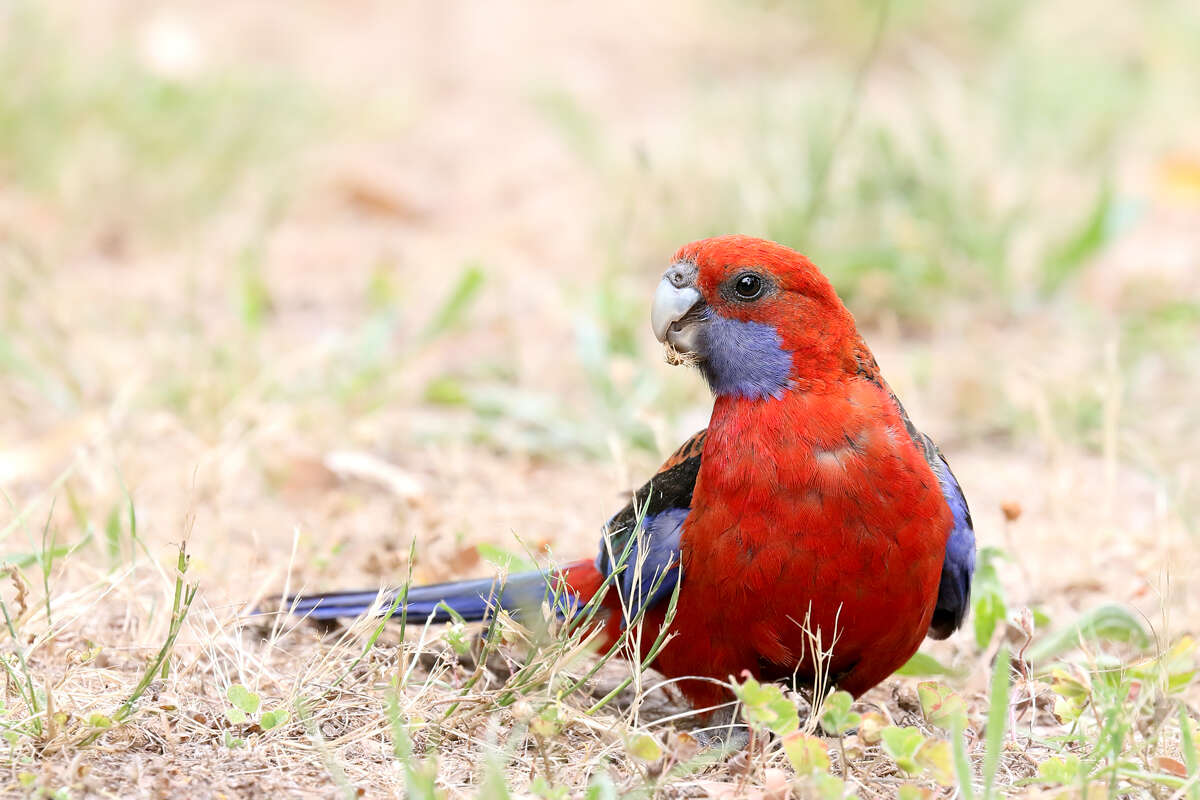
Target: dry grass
{"x":301,"y":289}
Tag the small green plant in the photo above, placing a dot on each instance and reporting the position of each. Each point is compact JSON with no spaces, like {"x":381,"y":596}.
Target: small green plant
{"x":29,"y":783}
{"x":836,"y":716}
{"x":420,"y":774}
{"x":1118,"y":718}
{"x":644,"y":747}
{"x":1060,"y":770}
{"x":766,"y":708}
{"x":244,"y":707}
{"x":942,"y":707}
{"x":601,"y":787}
{"x":806,"y":754}
{"x":915,"y":754}
{"x":988,"y":608}
{"x":457,"y":304}
{"x":17,"y":671}
{"x":810,"y":760}
{"x":159,"y":665}
{"x":540,"y":787}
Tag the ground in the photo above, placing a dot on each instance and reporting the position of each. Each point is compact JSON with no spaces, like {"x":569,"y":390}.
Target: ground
{"x":340,"y":293}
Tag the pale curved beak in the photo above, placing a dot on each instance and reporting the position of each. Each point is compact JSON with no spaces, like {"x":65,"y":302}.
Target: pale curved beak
{"x":671,"y":304}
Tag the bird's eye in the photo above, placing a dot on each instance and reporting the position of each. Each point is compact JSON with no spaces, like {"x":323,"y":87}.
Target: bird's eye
{"x":748,"y":286}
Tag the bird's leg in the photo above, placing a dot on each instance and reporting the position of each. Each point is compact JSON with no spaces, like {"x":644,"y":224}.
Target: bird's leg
{"x":722,"y":732}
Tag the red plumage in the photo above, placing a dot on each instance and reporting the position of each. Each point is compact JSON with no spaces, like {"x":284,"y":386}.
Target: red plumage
{"x":812,"y":510}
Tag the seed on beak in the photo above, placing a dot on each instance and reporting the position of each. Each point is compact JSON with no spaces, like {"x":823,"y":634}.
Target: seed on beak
{"x":679,"y":358}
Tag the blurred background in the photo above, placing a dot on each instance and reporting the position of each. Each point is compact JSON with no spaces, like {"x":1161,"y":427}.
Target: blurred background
{"x":308,"y":282}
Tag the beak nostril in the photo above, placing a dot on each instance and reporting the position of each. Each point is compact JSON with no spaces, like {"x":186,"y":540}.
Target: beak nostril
{"x":681,"y":275}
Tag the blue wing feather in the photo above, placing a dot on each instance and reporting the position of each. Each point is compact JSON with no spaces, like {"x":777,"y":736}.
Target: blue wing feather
{"x":954,"y":591}
{"x":646,"y":555}
{"x":650,"y":570}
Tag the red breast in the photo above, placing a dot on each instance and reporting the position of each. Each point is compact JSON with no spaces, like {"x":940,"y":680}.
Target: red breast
{"x":813,"y":515}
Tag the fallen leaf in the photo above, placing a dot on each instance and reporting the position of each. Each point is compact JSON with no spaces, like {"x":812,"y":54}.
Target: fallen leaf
{"x":1171,"y":766}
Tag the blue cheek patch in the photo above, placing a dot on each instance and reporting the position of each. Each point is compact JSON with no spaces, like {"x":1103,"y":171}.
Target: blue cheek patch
{"x":745,"y":359}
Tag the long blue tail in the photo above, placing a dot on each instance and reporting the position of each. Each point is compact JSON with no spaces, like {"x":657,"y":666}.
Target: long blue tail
{"x":473,"y":600}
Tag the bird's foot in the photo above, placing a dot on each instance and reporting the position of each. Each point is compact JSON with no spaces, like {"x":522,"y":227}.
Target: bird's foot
{"x":722,"y":732}
{"x":728,"y":738}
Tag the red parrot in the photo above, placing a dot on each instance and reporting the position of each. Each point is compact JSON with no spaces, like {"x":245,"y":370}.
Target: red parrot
{"x":810,"y":505}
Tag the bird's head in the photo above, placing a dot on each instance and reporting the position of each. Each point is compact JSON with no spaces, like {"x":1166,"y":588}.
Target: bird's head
{"x":757,"y":317}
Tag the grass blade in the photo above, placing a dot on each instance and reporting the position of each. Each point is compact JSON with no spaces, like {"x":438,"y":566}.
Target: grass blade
{"x":1190,"y":757}
{"x":1110,"y":621}
{"x":962,"y":764}
{"x":997,"y":722}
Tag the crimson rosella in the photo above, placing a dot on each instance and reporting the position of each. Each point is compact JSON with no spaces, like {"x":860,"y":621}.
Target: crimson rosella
{"x":810,"y":505}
